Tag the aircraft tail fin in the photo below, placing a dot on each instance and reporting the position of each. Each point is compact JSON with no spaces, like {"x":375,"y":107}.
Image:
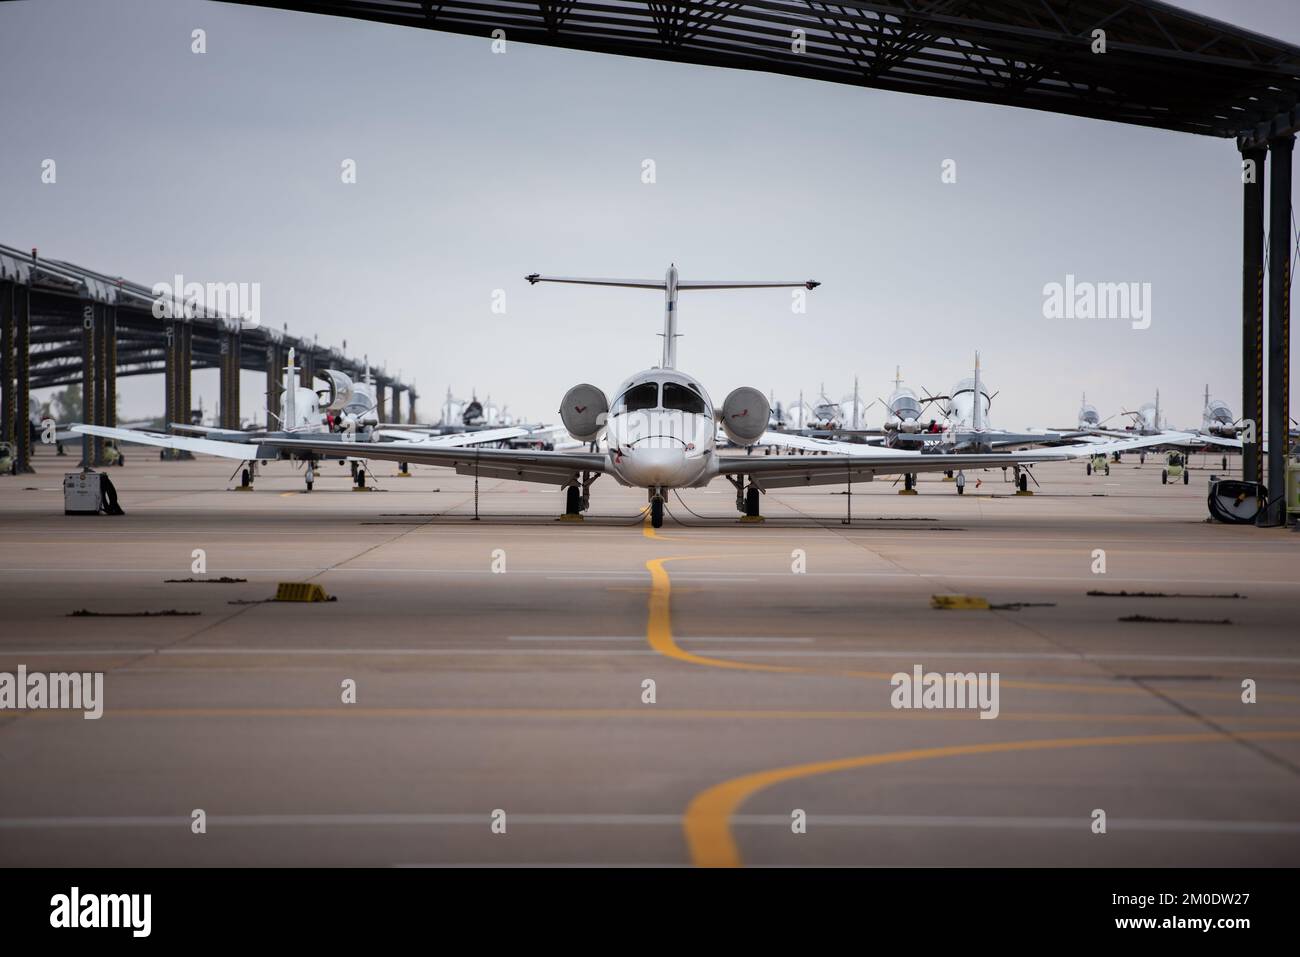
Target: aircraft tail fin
{"x":670,"y":286}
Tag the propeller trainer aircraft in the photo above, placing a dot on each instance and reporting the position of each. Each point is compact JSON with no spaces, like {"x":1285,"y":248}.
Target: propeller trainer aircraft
{"x":341,"y":417}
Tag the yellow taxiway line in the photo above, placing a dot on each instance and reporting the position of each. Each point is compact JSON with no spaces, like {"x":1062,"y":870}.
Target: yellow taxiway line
{"x":707,"y":818}
{"x":659,"y":633}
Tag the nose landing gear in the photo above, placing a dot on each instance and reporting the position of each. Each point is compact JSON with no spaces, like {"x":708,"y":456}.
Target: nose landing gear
{"x":655,"y":507}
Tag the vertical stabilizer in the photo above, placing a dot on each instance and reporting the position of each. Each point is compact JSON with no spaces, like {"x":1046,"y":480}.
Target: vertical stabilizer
{"x":290,"y":394}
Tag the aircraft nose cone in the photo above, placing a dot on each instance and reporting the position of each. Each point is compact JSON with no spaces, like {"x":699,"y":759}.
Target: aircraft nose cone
{"x":652,"y":466}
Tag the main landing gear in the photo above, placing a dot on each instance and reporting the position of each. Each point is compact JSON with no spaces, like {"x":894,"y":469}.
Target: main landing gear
{"x":577,"y":498}
{"x":748,"y":503}
{"x":246,"y":473}
{"x":359,"y":477}
{"x":310,"y":474}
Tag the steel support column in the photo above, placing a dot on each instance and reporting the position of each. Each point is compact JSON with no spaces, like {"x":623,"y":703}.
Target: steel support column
{"x":397,"y":402}
{"x":23,"y":387}
{"x":110,"y":366}
{"x":231,"y":363}
{"x":101,"y":377}
{"x":6,"y":361}
{"x":381,"y":402}
{"x":1254,"y":162}
{"x":171,"y":385}
{"x":410,"y":395}
{"x":273,"y":404}
{"x":185,"y":377}
{"x":1279,"y":328}
{"x":88,"y":383}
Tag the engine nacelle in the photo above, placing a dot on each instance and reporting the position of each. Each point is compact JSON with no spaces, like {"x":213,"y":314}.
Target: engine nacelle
{"x":745,"y":415}
{"x":340,"y":384}
{"x":583,"y":411}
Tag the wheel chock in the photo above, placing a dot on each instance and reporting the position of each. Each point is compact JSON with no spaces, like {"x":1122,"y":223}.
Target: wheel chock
{"x":300,"y":591}
{"x":571,"y":517}
{"x":959,"y":602}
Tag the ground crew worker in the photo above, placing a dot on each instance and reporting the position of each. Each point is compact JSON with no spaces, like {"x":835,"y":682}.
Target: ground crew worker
{"x":961,"y":482}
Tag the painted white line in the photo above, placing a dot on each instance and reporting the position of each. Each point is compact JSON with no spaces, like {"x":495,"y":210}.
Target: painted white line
{"x":908,"y":653}
{"x":482,"y":819}
{"x":1112,"y":580}
{"x":641,"y":639}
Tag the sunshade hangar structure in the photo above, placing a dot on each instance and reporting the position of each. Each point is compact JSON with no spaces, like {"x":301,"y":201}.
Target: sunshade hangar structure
{"x":1140,"y":62}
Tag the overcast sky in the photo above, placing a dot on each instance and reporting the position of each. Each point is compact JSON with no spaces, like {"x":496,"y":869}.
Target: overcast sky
{"x":474,"y":169}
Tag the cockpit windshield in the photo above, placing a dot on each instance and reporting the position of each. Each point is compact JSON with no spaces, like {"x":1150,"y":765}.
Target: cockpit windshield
{"x":682,"y":398}
{"x":637,"y":398}
{"x":906,"y":407}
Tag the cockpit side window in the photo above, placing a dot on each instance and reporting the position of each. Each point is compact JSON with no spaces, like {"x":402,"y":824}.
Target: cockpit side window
{"x":682,"y":398}
{"x":637,"y":398}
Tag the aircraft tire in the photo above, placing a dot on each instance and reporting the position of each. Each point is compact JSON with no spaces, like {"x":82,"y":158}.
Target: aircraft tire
{"x":751,"y":502}
{"x":572,"y":500}
{"x":657,"y":513}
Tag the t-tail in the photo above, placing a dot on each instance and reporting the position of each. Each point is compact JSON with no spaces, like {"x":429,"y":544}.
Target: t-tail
{"x":290,"y":420}
{"x":671,"y":286}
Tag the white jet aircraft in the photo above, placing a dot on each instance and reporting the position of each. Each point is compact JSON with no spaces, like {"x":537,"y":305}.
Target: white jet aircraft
{"x":660,"y":433}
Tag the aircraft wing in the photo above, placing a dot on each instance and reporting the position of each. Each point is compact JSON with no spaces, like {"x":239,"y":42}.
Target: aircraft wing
{"x":455,"y":440}
{"x":808,"y":443}
{"x":861,"y":463}
{"x":233,"y":435}
{"x":1201,"y":438}
{"x":521,"y":465}
{"x":784,"y":471}
{"x":1130,"y":442}
{"x":242,"y":451}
